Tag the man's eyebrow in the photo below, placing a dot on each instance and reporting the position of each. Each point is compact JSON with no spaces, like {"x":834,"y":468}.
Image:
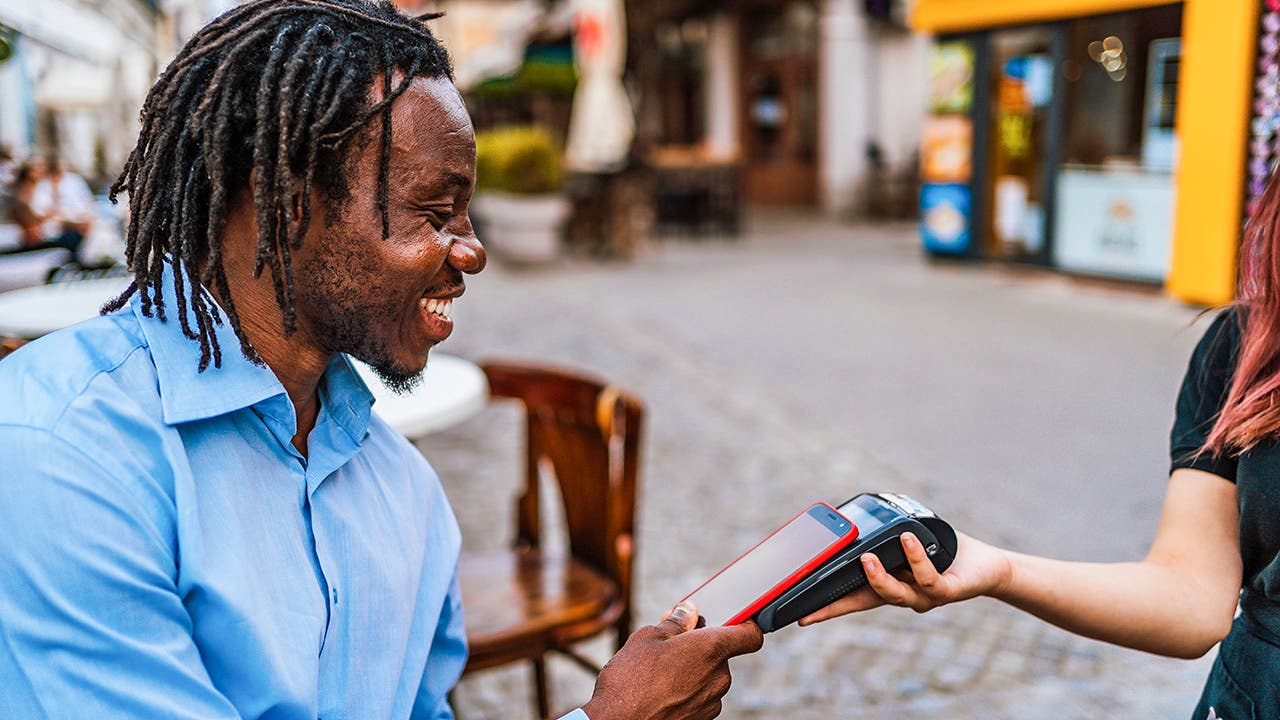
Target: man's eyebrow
{"x":444,"y":181}
{"x":455,"y":178}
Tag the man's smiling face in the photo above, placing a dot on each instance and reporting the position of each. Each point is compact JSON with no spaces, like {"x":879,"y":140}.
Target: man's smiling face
{"x":388,"y":302}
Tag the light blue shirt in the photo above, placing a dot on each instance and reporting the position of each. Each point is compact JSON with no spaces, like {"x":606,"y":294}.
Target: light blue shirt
{"x":165,"y":551}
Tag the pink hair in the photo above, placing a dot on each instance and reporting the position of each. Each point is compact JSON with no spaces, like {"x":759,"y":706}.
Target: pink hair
{"x":1250,"y":413}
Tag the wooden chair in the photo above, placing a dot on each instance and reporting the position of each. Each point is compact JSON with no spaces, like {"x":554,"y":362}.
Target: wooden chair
{"x":9,"y":344}
{"x":523,"y":603}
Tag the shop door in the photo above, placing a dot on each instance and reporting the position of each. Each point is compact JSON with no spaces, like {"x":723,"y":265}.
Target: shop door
{"x":1022,"y":125}
{"x":779,"y":103}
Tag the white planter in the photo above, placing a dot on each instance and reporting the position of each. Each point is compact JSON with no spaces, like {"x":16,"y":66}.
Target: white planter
{"x":522,"y":228}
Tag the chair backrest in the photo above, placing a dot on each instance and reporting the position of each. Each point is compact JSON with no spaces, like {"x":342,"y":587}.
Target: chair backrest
{"x":587,"y":435}
{"x":9,"y":344}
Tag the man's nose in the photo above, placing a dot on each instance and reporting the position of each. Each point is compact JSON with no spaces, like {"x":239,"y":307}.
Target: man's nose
{"x":466,"y":253}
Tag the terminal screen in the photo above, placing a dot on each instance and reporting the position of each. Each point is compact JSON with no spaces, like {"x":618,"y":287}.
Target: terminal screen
{"x":868,"y":514}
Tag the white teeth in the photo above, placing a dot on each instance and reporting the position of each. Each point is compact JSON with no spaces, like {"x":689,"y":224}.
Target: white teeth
{"x":443,"y":308}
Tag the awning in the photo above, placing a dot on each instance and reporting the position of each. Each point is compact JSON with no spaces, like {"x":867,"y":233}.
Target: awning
{"x":944,"y":16}
{"x":73,"y":85}
{"x":63,"y":27}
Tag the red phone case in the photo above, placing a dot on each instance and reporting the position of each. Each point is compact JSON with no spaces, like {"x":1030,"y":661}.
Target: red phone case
{"x":791,"y":579}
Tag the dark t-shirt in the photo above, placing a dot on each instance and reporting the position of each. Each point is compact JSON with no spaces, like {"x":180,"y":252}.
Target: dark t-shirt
{"x":1256,"y":473}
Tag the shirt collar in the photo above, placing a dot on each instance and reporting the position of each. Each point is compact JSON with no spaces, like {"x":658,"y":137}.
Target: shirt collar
{"x":346,"y":397}
{"x":187,"y":395}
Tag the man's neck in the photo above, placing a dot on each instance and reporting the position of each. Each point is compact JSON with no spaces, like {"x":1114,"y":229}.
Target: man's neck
{"x":298,"y":363}
{"x":299,"y":372}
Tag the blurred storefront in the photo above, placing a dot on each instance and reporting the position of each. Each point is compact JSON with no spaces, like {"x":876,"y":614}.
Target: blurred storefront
{"x":1101,"y":137}
{"x":73,"y":74}
{"x":776,"y":102}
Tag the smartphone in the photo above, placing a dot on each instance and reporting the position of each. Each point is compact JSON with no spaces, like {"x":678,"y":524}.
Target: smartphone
{"x":776,"y":563}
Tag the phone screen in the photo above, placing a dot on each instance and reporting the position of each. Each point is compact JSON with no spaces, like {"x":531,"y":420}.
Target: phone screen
{"x":733,"y":594}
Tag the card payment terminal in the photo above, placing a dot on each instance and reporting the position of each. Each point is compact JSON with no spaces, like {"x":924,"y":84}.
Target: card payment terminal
{"x":881,"y":519}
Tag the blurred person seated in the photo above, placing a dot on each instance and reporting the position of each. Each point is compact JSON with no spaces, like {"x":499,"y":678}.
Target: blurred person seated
{"x":8,"y":167}
{"x":10,"y":232}
{"x":63,"y":194}
{"x":39,"y":230}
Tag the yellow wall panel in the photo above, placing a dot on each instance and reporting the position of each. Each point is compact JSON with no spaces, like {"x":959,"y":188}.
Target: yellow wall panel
{"x":1213,"y":128}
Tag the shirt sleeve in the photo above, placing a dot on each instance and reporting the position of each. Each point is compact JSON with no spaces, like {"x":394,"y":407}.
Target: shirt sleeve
{"x":1203,"y":394}
{"x":445,"y":662}
{"x":576,"y":715}
{"x":91,"y":623}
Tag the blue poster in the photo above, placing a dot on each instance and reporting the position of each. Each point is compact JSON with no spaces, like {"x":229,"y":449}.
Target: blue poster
{"x":946,"y":218}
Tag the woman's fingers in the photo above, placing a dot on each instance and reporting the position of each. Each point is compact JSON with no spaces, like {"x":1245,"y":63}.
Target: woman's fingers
{"x":891,"y":589}
{"x":926,"y":576}
{"x":918,"y":586}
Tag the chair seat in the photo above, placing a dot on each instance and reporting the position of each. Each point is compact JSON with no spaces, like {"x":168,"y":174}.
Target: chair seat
{"x":518,"y":600}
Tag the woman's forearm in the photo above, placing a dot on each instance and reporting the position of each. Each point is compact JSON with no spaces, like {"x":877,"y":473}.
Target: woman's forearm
{"x":1147,"y":605}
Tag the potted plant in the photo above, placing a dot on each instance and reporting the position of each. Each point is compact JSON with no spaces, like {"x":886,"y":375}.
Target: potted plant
{"x":518,"y":201}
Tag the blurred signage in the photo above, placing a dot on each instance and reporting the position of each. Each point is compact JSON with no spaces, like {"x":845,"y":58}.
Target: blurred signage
{"x":951,"y":68}
{"x":947,"y":149}
{"x":1014,"y":132}
{"x":946,"y":218}
{"x":1118,"y":223}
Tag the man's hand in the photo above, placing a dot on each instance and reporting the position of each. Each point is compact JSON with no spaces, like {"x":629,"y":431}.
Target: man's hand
{"x":670,"y":671}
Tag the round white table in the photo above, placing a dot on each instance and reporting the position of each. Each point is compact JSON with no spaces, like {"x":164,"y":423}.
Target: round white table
{"x":452,"y":390}
{"x":39,"y":310}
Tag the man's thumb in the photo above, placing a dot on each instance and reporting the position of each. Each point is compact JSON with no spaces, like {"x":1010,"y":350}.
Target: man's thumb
{"x":682,"y":618}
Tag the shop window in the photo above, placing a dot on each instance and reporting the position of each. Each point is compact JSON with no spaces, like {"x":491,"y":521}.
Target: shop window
{"x":1023,"y":90}
{"x":1122,"y":78}
{"x":1115,"y":188}
{"x":682,"y":49}
{"x":779,"y":102}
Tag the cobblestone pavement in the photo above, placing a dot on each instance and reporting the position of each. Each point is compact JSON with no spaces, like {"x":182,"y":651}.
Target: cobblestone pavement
{"x":744,"y":429}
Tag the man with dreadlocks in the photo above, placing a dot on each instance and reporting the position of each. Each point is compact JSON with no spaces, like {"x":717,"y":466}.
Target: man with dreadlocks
{"x":201,"y":517}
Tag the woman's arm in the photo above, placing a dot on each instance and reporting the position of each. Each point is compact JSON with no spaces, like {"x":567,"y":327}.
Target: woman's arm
{"x":1179,"y":601}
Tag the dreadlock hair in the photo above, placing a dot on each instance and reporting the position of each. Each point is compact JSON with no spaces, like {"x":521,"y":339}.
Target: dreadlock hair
{"x":279,"y":88}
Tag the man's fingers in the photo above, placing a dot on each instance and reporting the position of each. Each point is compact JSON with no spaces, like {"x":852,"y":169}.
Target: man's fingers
{"x":682,"y":618}
{"x":735,"y":640}
{"x":864,"y":599}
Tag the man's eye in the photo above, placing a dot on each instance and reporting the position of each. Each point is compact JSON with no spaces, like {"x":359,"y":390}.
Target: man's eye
{"x":441,"y":216}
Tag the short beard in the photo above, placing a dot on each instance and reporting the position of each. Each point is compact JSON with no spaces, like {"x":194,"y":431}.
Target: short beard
{"x":399,"y":381}
{"x":349,"y":293}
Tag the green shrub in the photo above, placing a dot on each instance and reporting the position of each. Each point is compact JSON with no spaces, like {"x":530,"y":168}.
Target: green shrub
{"x":523,"y":160}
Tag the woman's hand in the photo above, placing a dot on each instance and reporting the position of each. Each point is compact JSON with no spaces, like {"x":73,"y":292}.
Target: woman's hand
{"x":979,"y":569}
